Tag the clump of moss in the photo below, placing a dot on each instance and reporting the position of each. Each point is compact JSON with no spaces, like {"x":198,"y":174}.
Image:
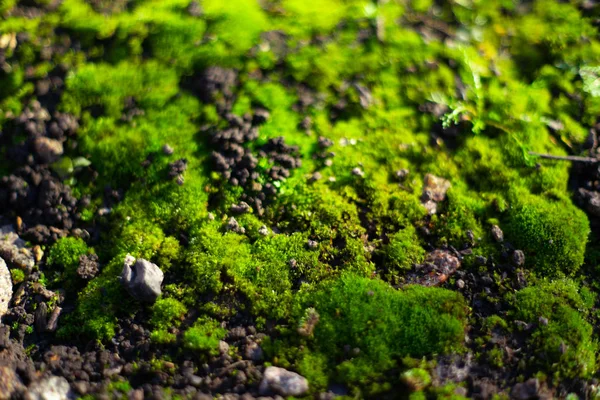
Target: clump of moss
{"x":403,"y":250}
{"x":17,"y":275}
{"x":66,"y":251}
{"x":562,"y":340}
{"x":553,"y":234}
{"x":368,"y":320}
{"x":204,"y":336}
{"x":64,"y":254}
{"x":166,"y":313}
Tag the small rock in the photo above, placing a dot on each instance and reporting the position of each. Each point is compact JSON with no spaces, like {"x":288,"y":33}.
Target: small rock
{"x":543,"y":321}
{"x":142,"y":279}
{"x":10,"y":383}
{"x":5,"y":288}
{"x":238,"y":332}
{"x":313,"y":244}
{"x":328,"y":162}
{"x":402,"y":174}
{"x":497,"y":234}
{"x":526,"y":390}
{"x":358,"y":172}
{"x":88,"y":266}
{"x":52,"y":388}
{"x":53,"y":319}
{"x":81,"y":387}
{"x":167,"y":150}
{"x":263,"y":230}
{"x":484,"y":390}
{"x":41,"y":317}
{"x":325,"y":142}
{"x":177,"y":168}
{"x":518,"y":258}
{"x":13,"y":249}
{"x":283,"y":382}
{"x":434,"y":192}
{"x":254,"y":352}
{"x":260,"y":116}
{"x":241,"y":208}
{"x":435,"y":188}
{"x":316,"y":176}
{"x":460,"y":284}
{"x":223,"y":347}
{"x":234,"y":226}
{"x":48,"y":150}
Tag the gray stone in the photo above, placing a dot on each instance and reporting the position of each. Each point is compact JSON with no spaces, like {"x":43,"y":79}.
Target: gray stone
{"x":10,"y":383}
{"x":526,"y":390}
{"x":142,"y":279}
{"x":497,"y":234}
{"x":5,"y":288}
{"x":223,"y":347}
{"x":283,"y":382}
{"x":263,"y":230}
{"x":52,"y":388}
{"x":48,"y":150}
{"x":254,"y":352}
{"x":518,"y":258}
{"x":13,"y":249}
{"x":358,"y":172}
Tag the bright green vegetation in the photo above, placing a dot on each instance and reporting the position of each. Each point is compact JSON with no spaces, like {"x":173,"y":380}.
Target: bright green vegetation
{"x":552,"y":233}
{"x":63,"y":258}
{"x":372,"y":325}
{"x":502,"y":75}
{"x":565,"y":346}
{"x":204,"y":336}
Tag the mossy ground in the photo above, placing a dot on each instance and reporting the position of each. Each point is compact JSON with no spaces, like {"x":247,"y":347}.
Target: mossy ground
{"x":463,"y":90}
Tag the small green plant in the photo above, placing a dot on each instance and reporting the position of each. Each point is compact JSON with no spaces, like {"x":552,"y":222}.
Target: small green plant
{"x":204,"y":336}
{"x":378,"y":323}
{"x":553,"y":234}
{"x":17,"y":275}
{"x":562,"y":340}
{"x":403,"y":250}
{"x":64,"y":257}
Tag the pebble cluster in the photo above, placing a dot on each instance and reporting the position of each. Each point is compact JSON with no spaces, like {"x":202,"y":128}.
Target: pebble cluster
{"x":232,"y":158}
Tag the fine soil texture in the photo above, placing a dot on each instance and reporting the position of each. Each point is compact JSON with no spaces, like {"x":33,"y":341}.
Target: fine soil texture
{"x":318,"y":199}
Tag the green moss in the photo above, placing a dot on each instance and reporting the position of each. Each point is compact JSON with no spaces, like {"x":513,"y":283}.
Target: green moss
{"x":17,"y":276}
{"x":520,"y":78}
{"x":65,"y":252}
{"x":64,"y":256}
{"x":552,"y":233}
{"x":204,"y":336}
{"x":166,"y":313}
{"x":565,"y":346}
{"x":403,"y":250}
{"x":416,"y":379}
{"x":383,"y":323}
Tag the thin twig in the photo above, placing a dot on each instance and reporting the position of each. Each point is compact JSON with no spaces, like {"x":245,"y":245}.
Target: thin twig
{"x":566,"y":158}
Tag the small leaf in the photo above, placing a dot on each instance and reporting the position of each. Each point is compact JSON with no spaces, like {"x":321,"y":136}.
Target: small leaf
{"x":63,"y":167}
{"x":81,"y":162}
{"x":591,"y":80}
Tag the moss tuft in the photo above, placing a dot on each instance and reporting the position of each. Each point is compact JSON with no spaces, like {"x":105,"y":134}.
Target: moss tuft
{"x":562,"y":340}
{"x":553,"y":234}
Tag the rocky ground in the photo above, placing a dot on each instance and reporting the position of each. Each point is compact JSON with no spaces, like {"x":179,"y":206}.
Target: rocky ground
{"x":299,"y":199}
